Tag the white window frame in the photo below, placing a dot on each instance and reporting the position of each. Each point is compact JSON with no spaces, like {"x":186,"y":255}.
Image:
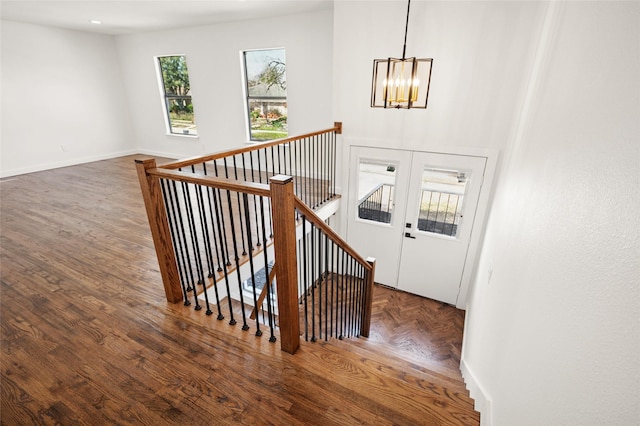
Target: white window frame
{"x":245,"y":91}
{"x":164,"y":97}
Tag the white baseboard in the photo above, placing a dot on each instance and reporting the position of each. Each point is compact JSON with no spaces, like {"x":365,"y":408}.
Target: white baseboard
{"x":476,"y":391}
{"x":65,"y":163}
{"x":153,"y":153}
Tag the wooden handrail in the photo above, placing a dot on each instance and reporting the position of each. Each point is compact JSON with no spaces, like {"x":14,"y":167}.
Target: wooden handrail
{"x":254,"y":147}
{"x":319,"y":223}
{"x":213,"y":181}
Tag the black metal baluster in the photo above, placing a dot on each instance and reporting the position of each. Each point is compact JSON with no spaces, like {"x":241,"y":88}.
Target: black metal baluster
{"x":247,"y":218}
{"x":343,"y":302}
{"x":210,"y":192}
{"x":299,"y":263}
{"x":217,"y":203}
{"x":361,"y":297}
{"x":314,"y":189}
{"x":319,"y":166}
{"x":205,"y":229}
{"x":307,"y":192}
{"x":187,"y":264}
{"x":235,"y":171}
{"x":177,"y":246}
{"x":333,"y":287}
{"x":296,"y":172}
{"x":319,"y":170}
{"x":305,"y":261}
{"x":320,"y":283}
{"x":259,"y":243}
{"x":338,"y":291}
{"x":215,"y":243}
{"x":221,"y":216}
{"x":324,"y":168}
{"x":272,"y":338}
{"x":347,"y":302}
{"x":327,"y":162}
{"x":279,"y":159}
{"x":245,"y":326}
{"x":313,"y":285}
{"x":356,"y":292}
{"x":273,"y":161}
{"x":289,"y":148}
{"x":352,"y":295}
{"x":244,"y":173}
{"x":273,"y":173}
{"x":207,"y":244}
{"x":192,"y":231}
{"x":333,"y":162}
{"x":326,"y":287}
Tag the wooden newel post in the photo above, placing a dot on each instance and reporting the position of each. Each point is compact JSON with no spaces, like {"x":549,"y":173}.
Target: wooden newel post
{"x":284,"y":242}
{"x":368,"y":299}
{"x":154,"y":203}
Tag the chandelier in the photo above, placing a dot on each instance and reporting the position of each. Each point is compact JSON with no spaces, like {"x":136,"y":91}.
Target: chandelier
{"x":401,"y":83}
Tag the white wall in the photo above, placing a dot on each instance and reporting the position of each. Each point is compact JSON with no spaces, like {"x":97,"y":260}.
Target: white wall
{"x":552,"y":333}
{"x":213,"y":58}
{"x":482,"y":53}
{"x":62,"y":99}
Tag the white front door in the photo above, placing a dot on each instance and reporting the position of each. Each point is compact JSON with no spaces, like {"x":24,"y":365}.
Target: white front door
{"x":414,"y":212}
{"x":442,"y":200}
{"x":378,"y":194}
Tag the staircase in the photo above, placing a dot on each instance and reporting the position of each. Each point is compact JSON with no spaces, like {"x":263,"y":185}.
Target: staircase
{"x":218,"y":220}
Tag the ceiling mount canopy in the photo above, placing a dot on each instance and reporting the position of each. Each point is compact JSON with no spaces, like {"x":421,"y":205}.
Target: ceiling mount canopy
{"x":401,"y":83}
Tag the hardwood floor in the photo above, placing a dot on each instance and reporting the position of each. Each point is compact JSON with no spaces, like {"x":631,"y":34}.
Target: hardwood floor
{"x":88,"y":338}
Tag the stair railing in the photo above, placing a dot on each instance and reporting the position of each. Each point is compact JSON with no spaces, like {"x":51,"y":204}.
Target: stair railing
{"x":215,"y":223}
{"x":336,"y":283}
{"x":309,"y":158}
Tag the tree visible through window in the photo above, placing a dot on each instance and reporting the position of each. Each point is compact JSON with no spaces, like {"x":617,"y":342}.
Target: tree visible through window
{"x":177,"y":97}
{"x":266,"y":88}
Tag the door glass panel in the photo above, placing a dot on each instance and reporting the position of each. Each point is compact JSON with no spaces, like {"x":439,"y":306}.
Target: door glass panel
{"x":441,"y":199}
{"x":376,"y":182}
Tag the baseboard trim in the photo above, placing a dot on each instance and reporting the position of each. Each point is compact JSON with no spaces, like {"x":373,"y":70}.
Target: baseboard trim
{"x":65,"y":163}
{"x":477,"y":392}
{"x":153,"y":153}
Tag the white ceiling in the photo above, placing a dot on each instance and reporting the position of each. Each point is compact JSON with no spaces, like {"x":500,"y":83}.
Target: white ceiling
{"x":137,"y":16}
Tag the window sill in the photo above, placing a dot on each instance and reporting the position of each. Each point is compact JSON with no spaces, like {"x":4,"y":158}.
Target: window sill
{"x":183,"y":135}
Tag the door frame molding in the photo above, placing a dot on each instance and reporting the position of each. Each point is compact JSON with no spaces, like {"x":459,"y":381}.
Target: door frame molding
{"x":482,"y":209}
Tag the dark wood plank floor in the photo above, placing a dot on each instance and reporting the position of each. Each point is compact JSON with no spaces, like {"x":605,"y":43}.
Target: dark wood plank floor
{"x":88,"y":338}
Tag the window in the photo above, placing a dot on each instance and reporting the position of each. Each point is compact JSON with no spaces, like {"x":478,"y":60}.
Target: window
{"x":376,"y":184}
{"x":441,"y":201}
{"x":177,"y":97}
{"x":266,"y":90}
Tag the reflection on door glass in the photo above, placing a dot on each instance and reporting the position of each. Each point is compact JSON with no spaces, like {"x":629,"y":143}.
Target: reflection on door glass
{"x":376,"y":182}
{"x":442,"y":193}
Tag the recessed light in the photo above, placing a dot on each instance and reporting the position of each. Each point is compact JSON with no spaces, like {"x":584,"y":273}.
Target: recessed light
{"x":95,"y":21}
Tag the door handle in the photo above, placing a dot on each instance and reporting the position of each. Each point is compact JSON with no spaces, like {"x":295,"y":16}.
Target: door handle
{"x":408,"y":235}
